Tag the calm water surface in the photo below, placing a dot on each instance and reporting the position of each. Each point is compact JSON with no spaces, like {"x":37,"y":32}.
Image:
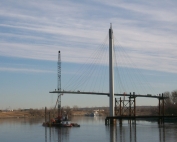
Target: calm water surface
{"x":92,"y":130}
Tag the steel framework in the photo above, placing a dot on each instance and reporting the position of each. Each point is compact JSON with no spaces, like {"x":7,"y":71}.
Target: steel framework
{"x":126,"y":107}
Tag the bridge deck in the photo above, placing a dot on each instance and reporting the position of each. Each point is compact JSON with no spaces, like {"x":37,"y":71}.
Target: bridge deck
{"x":160,"y":119}
{"x":97,"y":93}
{"x":140,"y":117}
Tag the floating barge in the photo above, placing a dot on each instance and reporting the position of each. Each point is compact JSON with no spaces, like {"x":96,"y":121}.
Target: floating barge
{"x":59,"y":122}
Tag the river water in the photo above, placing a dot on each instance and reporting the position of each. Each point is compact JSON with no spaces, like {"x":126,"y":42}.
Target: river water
{"x":92,"y":129}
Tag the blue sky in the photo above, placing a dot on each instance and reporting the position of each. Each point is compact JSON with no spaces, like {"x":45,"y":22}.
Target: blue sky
{"x":32,"y":32}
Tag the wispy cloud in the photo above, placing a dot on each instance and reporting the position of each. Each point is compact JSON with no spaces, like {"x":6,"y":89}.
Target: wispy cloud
{"x":38,"y":29}
{"x":24,"y":70}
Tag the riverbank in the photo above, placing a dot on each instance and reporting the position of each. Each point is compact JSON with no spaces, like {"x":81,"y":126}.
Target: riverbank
{"x":31,"y":113}
{"x":14,"y":114}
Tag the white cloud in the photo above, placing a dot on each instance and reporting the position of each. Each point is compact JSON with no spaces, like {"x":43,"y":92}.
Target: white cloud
{"x":38,"y":31}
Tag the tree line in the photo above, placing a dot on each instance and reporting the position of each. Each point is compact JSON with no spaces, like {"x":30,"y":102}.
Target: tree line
{"x":171,"y":103}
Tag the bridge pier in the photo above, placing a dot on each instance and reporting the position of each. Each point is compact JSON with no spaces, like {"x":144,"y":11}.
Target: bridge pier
{"x":128,"y":111}
{"x":126,"y":107}
{"x":110,"y":121}
{"x":161,"y":108}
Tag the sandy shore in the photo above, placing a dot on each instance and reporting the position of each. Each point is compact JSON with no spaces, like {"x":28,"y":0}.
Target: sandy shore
{"x":41,"y":113}
{"x":28,"y":114}
{"x":14,"y":114}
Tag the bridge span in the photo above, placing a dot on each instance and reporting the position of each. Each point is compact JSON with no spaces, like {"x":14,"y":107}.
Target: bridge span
{"x":121,"y":106}
{"x":99,"y":93}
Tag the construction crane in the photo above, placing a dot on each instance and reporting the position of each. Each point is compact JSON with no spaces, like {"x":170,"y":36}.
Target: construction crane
{"x":58,"y":102}
{"x":59,"y":83}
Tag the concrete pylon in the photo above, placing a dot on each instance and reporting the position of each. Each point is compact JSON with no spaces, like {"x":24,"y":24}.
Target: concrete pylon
{"x":111,"y":73}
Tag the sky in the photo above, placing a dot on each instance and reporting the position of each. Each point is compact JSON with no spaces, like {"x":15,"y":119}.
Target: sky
{"x":32,"y":32}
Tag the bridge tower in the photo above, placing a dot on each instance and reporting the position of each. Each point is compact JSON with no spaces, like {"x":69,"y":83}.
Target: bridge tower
{"x":111,"y":73}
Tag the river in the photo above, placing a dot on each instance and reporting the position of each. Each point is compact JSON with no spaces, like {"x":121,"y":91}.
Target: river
{"x":92,"y":129}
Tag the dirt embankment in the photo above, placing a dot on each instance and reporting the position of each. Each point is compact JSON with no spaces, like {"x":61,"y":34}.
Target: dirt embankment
{"x":30,"y":114}
{"x":21,"y":114}
{"x":142,"y":110}
{"x":14,"y":114}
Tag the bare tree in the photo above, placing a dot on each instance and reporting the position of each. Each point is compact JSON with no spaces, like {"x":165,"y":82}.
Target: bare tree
{"x":174,"y":97}
{"x":75,"y":107}
{"x":171,"y":103}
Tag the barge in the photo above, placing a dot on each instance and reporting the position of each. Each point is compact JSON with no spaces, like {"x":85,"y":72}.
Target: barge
{"x":59,"y":122}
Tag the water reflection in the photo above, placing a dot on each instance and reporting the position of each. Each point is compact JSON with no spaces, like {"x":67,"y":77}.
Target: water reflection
{"x":92,"y":129}
{"x":127,"y":132}
{"x":113,"y":133}
{"x":161,"y":133}
{"x":57,"y":134}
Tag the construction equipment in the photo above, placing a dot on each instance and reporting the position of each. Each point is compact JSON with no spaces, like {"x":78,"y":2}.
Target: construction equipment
{"x":58,"y":102}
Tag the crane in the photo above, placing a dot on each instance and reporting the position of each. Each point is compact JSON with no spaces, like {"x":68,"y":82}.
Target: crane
{"x":59,"y":83}
{"x":58,"y":102}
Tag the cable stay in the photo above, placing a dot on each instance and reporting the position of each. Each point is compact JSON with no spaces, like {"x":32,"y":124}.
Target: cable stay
{"x":92,"y":76}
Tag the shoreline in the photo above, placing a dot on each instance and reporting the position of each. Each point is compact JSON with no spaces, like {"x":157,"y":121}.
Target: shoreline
{"x":79,"y":112}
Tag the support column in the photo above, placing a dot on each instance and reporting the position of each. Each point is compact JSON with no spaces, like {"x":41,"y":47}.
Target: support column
{"x":120,"y":120}
{"x":130,"y":105}
{"x":45,"y":114}
{"x":49,"y":119}
{"x":134,"y":103}
{"x":120,"y":107}
{"x":159,"y":106}
{"x":111,"y":73}
{"x":163,"y":109}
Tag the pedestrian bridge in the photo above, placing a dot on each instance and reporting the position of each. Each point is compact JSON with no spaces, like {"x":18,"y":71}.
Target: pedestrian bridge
{"x":97,"y":93}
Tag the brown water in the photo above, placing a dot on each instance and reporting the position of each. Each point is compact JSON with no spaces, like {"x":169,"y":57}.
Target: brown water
{"x":92,"y":130}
